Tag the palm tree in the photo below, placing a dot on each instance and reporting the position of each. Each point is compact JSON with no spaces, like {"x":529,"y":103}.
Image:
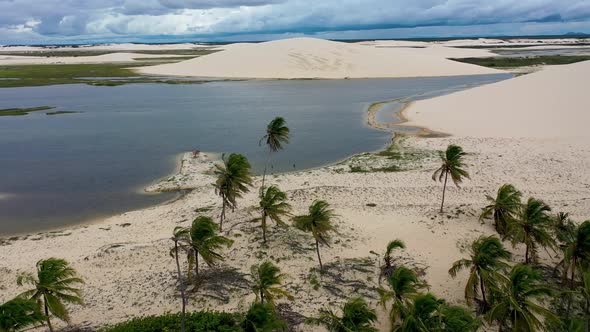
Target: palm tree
{"x":576,"y":251}
{"x":206,"y":242}
{"x":181,"y":239}
{"x":457,"y":319}
{"x":452,"y":163}
{"x":420,"y":315}
{"x":387,"y":267}
{"x":403,"y":286}
{"x":585,"y":291}
{"x":503,"y":208}
{"x":267,"y":279}
{"x":357,"y":316}
{"x":233,"y":179}
{"x":563,"y":227}
{"x":517,"y":307}
{"x":20,"y":313}
{"x":273,"y":205}
{"x":487,"y":258}
{"x":54,"y":285}
{"x":532,"y":227}
{"x":318,"y":222}
{"x":261,"y":317}
{"x":428,"y":313}
{"x":277,"y":133}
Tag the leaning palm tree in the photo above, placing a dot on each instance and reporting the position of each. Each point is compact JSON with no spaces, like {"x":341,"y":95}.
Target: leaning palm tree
{"x":403,"y":286}
{"x":420,"y":315}
{"x":319,"y":223}
{"x":356,"y":316}
{"x":576,"y":251}
{"x":205,"y":241}
{"x":233,"y":179}
{"x":487,"y":258}
{"x":452,"y":163}
{"x":277,"y":133}
{"x":54,"y":286}
{"x":517,"y":307}
{"x":457,"y":319}
{"x":427,"y":313}
{"x":532,"y":227}
{"x":20,"y":313}
{"x":267,"y":280}
{"x":181,"y":239}
{"x":387,"y":267}
{"x":273,"y":205}
{"x":503,"y":208}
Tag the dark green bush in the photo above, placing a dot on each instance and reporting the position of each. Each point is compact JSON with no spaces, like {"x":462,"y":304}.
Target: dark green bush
{"x":202,"y":321}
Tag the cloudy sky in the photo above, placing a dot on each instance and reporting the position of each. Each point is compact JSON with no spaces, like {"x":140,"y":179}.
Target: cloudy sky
{"x":63,"y":21}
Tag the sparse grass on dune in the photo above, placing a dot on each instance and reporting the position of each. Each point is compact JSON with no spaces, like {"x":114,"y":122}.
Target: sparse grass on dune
{"x":105,"y":74}
{"x":513,"y":62}
{"x":54,"y":53}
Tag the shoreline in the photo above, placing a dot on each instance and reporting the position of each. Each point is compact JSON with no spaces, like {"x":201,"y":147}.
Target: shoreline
{"x":374,"y":207}
{"x":150,"y":188}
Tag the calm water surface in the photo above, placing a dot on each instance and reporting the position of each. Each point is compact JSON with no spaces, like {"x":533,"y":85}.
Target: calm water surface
{"x":66,"y":169}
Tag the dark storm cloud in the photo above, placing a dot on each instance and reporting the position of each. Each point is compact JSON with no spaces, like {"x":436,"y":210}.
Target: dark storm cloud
{"x":89,"y":18}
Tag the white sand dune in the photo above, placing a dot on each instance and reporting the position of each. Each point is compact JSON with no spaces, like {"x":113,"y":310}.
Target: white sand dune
{"x":432,"y":49}
{"x":550,"y":103}
{"x":316,"y":58}
{"x":105,"y":58}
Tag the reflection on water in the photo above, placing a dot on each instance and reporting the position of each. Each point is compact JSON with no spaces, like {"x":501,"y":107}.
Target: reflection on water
{"x":65,"y":169}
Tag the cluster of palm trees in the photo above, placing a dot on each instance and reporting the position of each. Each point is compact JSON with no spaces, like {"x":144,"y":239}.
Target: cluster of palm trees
{"x":54,"y":287}
{"x":410,"y":310}
{"x":511,"y":296}
{"x":203,"y":239}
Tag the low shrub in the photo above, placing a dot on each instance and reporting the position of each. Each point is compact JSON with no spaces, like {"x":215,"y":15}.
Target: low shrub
{"x":202,"y":321}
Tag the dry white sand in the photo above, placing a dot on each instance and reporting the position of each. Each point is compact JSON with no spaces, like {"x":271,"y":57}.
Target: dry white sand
{"x":7,"y":60}
{"x":125,"y":260}
{"x":547,"y":104}
{"x":432,"y":49}
{"x":317,"y":58}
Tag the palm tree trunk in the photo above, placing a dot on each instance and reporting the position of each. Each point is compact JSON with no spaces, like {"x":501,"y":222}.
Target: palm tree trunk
{"x":191,"y":262}
{"x":261,"y":296}
{"x":181,"y":286}
{"x":264,"y":172}
{"x":222,"y":215}
{"x":443,"y":195}
{"x":47,"y":314}
{"x":483,"y":292}
{"x":317,"y":249}
{"x":526,"y":254}
{"x":264,"y":227}
{"x":573,"y":273}
{"x":197,"y":263}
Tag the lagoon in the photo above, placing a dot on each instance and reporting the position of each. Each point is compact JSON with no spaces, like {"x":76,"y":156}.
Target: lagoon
{"x":69,"y":168}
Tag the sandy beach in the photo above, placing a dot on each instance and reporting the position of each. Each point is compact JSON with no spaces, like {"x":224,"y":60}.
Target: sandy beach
{"x":529,"y":131}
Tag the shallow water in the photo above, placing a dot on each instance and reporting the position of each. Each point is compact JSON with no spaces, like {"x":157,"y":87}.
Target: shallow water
{"x":66,"y":169}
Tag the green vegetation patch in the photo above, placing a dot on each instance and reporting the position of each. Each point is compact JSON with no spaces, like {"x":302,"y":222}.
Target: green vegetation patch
{"x":513,"y":62}
{"x":195,"y":321}
{"x":23,"y":111}
{"x":62,"y":112}
{"x":82,"y":52}
{"x":106,"y":74}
